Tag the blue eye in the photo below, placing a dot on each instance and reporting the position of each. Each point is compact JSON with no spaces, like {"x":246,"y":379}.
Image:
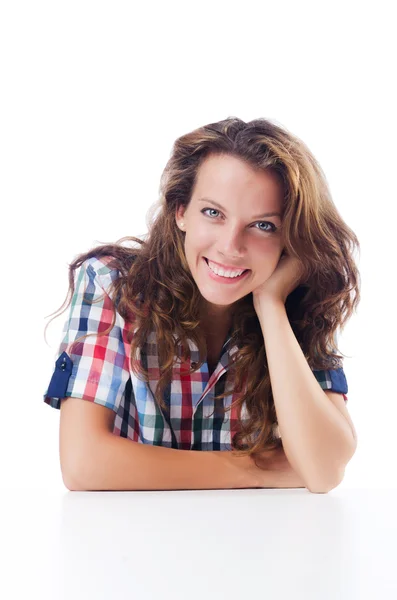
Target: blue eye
{"x":273,"y":227}
{"x":205,"y":209}
{"x":272,"y":230}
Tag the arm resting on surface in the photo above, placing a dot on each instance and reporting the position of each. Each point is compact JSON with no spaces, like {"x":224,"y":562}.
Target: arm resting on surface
{"x":93,"y":458}
{"x":115,"y":463}
{"x":318,"y":439}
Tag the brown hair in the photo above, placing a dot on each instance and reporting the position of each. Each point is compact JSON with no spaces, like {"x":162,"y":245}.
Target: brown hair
{"x":155,"y":288}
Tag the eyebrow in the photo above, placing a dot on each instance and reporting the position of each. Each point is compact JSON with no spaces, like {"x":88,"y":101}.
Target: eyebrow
{"x":271,"y":214}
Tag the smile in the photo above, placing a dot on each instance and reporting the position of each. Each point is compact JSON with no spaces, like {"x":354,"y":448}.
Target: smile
{"x":224,"y":278}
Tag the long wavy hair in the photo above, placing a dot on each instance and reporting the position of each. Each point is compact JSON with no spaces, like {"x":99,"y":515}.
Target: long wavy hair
{"x":155,"y":289}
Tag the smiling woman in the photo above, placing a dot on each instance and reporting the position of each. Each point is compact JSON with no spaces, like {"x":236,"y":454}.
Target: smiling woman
{"x":233,"y":240}
{"x":173,"y":334}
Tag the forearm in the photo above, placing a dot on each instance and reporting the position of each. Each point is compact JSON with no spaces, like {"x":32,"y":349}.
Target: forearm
{"x":316,"y":437}
{"x":115,"y":463}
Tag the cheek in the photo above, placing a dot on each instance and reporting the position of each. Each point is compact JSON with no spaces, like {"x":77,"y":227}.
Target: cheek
{"x":200,"y":241}
{"x":267,"y":253}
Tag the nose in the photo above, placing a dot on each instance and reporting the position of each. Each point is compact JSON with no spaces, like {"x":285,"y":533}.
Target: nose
{"x":231,"y":243}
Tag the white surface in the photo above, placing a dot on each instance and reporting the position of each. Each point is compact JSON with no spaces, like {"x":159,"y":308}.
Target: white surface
{"x":199,"y":544}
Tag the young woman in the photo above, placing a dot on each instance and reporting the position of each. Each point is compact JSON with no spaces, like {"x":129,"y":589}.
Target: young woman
{"x":218,"y":331}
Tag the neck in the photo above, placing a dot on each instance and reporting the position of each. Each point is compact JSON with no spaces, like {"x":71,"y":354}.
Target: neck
{"x":214,"y":324}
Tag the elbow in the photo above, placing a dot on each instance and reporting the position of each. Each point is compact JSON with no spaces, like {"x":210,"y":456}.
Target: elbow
{"x":319,"y":486}
{"x":320,"y":489}
{"x":73,"y":485}
{"x":78,"y":467}
{"x":72,"y":476}
{"x":76,"y":484}
{"x":325,"y":487}
{"x":70,"y":483}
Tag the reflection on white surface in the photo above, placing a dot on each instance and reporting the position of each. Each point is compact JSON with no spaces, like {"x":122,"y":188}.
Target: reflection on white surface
{"x":199,"y":543}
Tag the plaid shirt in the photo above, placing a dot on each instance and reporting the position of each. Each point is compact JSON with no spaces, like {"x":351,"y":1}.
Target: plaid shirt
{"x":98,"y":371}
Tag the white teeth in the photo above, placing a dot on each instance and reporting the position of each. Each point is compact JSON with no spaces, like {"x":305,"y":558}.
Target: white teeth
{"x":222,"y":272}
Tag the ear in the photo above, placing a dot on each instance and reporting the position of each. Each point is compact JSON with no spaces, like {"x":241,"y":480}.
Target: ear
{"x":179,"y":214}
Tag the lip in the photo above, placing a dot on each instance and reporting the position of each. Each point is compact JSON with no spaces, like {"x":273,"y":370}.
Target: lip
{"x":225,"y":280}
{"x":226,"y":267}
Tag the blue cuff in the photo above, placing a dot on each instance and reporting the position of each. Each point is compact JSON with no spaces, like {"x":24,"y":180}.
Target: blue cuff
{"x":60,"y":378}
{"x":338,"y":380}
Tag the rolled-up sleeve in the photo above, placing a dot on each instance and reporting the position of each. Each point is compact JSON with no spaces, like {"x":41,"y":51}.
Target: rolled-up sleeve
{"x":332,"y":379}
{"x":97,"y":367}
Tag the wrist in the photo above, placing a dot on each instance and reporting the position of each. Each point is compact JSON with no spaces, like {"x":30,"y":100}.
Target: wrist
{"x":244,"y":469}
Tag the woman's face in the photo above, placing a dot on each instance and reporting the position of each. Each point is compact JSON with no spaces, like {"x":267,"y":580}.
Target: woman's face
{"x":233,"y":219}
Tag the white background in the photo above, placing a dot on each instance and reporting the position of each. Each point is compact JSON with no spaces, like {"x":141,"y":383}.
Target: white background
{"x":93,"y":94}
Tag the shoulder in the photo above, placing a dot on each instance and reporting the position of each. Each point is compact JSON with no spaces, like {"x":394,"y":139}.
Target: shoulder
{"x":101,"y":270}
{"x":101,"y":265}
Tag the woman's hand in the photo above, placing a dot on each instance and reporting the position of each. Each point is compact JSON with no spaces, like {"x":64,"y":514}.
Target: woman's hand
{"x":285,"y":278}
{"x":276,"y":471}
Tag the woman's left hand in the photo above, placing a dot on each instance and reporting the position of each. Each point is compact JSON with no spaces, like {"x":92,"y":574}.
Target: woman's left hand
{"x":285,"y":278}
